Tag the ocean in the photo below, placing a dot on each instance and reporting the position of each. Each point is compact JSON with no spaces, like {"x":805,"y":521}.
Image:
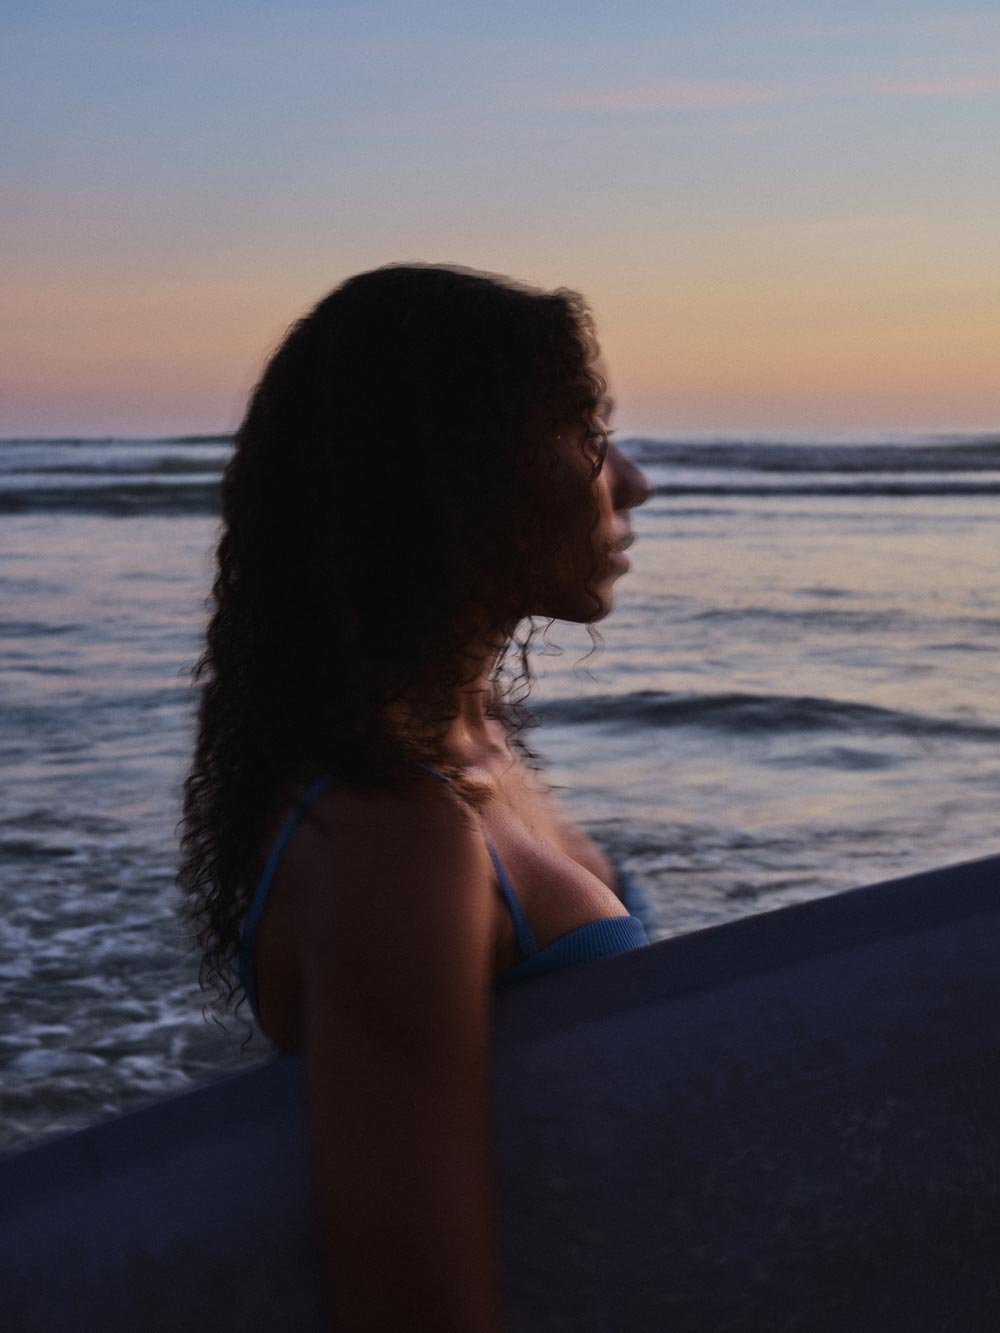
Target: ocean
{"x":797,"y":695}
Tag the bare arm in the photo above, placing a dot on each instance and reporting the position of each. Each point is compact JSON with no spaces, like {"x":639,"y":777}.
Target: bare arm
{"x":397,"y":964}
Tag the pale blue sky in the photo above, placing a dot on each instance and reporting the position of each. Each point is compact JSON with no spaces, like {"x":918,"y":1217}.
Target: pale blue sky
{"x":784,"y":214}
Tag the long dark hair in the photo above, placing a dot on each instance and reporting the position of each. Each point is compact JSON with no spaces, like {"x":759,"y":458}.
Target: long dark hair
{"x":385,"y":491}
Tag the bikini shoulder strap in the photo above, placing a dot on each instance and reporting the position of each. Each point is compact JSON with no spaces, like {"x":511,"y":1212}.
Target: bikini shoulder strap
{"x":526,"y":943}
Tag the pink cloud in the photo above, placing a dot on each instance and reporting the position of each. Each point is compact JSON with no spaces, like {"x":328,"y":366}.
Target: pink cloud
{"x":941,"y":88}
{"x":875,"y":25}
{"x":43,"y":197}
{"x":674,"y":95}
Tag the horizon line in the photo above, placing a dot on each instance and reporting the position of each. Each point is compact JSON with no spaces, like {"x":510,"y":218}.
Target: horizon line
{"x":676,"y":432}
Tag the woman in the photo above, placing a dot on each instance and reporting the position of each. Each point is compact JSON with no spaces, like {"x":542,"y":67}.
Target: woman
{"x":423,"y":466}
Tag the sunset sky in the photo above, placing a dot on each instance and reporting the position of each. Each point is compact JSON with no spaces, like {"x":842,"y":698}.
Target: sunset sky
{"x":785,"y":215}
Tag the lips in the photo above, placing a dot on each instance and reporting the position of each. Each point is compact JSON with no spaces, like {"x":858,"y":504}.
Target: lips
{"x":625,"y":543}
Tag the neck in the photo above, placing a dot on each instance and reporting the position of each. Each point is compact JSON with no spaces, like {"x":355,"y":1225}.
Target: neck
{"x":471,"y":735}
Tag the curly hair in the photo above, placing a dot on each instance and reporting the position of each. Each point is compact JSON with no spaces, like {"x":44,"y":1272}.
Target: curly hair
{"x":384,"y":504}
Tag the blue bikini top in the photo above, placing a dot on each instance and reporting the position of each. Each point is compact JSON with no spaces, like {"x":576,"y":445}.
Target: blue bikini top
{"x":609,"y":935}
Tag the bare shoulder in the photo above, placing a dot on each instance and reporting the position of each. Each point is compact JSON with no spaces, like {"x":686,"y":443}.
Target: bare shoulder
{"x":392,"y":880}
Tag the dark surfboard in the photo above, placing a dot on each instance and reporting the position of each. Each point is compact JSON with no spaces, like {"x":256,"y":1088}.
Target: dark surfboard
{"x":789,"y":1122}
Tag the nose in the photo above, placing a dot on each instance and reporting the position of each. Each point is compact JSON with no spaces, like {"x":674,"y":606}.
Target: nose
{"x":631,"y":486}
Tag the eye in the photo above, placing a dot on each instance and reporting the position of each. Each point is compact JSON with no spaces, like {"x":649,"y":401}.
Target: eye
{"x":596,"y":447}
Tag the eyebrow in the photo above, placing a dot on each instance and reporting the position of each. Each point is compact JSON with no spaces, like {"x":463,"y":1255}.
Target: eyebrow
{"x":606,"y":406}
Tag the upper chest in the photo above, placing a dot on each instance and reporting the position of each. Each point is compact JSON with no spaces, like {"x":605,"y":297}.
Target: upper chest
{"x":561,"y":876}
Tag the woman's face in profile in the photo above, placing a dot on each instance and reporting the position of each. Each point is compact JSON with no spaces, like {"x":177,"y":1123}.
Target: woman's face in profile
{"x":619,"y":487}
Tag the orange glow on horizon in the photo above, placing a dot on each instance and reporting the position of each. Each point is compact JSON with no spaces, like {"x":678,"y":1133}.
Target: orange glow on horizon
{"x":709,"y":339}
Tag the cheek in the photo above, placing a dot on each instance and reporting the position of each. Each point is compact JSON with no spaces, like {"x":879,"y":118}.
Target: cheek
{"x":578,"y":500}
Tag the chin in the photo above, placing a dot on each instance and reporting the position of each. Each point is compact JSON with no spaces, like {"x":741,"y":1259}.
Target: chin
{"x":570,"y":600}
{"x":581,"y":609}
